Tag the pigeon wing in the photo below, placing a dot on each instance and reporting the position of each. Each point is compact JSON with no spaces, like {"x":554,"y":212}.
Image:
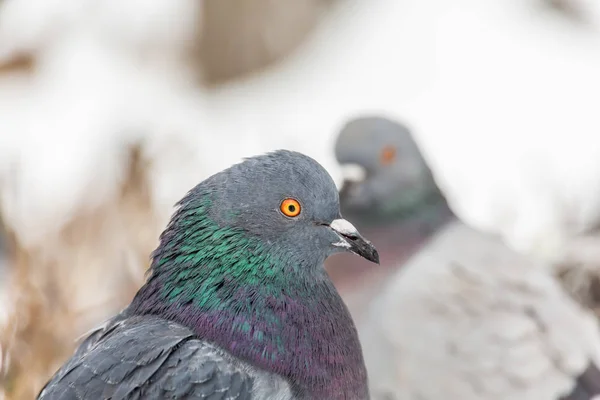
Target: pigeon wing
{"x":148,"y":357}
{"x":468,"y":318}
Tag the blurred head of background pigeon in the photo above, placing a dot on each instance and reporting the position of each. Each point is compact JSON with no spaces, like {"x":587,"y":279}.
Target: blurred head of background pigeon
{"x":396,"y":200}
{"x":241,"y":265}
{"x":396,"y":177}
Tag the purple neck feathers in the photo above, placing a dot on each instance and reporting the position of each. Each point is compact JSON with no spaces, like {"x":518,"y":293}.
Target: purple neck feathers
{"x":303,"y":332}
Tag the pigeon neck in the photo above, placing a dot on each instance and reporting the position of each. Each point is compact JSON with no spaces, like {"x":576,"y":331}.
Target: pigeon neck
{"x":232,"y":291}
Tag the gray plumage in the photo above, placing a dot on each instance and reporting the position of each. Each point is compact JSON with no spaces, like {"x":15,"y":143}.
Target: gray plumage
{"x":465,"y":317}
{"x":237,"y":304}
{"x":587,"y":385}
{"x":171,"y":362}
{"x":397,"y":178}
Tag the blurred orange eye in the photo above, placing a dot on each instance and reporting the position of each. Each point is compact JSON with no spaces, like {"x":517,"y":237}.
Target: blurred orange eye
{"x":388,"y":155}
{"x":290,"y":207}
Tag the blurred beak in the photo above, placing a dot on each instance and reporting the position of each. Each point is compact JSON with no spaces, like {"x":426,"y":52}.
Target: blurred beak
{"x":352,"y":240}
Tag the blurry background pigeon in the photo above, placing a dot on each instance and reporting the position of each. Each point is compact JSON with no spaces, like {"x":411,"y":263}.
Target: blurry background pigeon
{"x":396,"y":183}
{"x":238,"y":304}
{"x":392,"y":195}
{"x":469,"y":318}
{"x":385,"y":152}
{"x":465,"y":317}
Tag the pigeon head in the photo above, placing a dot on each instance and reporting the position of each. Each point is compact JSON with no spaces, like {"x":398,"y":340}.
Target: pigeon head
{"x":394,"y":175}
{"x":289,"y":201}
{"x":284,"y":200}
{"x":241,"y":263}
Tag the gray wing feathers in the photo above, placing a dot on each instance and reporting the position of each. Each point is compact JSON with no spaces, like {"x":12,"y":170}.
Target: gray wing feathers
{"x":148,"y":358}
{"x":469,"y":319}
{"x":587,"y":386}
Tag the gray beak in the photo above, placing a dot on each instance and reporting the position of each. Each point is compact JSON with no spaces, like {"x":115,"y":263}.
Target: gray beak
{"x":353,"y":241}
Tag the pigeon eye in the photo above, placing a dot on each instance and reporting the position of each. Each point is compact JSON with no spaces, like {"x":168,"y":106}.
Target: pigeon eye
{"x":290,"y":207}
{"x":388,"y":155}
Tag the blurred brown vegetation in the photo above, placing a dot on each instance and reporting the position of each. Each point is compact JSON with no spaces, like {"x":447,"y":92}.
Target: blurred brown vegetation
{"x":242,"y":37}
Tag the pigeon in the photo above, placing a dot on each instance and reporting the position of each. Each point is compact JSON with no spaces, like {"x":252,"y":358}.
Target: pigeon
{"x":465,"y":317}
{"x":398,"y":217}
{"x":237,"y":304}
{"x":468,"y":318}
{"x":387,"y":152}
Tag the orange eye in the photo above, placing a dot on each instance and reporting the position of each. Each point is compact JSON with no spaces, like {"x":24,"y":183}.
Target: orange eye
{"x":388,"y":155}
{"x":290,"y":207}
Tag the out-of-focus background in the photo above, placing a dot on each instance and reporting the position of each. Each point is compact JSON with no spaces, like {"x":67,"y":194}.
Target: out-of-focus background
{"x":110,"y":111}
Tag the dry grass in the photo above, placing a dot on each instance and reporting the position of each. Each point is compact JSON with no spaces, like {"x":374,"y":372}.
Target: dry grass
{"x":88,"y":273}
{"x":21,"y":64}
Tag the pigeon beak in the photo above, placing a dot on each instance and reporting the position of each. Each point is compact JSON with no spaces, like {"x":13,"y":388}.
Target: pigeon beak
{"x":353,"y":240}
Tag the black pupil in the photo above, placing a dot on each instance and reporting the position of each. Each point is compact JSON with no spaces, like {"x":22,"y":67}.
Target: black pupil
{"x":291,"y":208}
